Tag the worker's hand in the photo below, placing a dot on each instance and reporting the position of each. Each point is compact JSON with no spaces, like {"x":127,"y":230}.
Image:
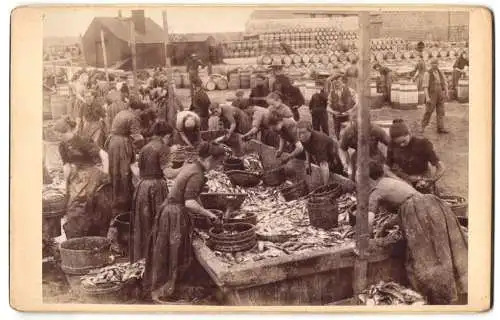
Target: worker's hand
{"x":246,"y":138}
{"x":279,"y":153}
{"x":285,"y":159}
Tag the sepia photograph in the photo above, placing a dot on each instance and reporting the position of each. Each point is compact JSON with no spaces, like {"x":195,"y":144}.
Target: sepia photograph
{"x":259,"y":157}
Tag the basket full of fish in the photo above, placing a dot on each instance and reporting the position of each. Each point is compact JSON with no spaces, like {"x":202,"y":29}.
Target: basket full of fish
{"x":233,"y":237}
{"x":112,"y":279}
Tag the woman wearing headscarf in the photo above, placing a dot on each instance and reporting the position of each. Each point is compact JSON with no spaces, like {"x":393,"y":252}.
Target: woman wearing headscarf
{"x":409,"y":158}
{"x":151,"y":190}
{"x":93,"y":127}
{"x":188,"y":126}
{"x":276,"y":105}
{"x":437,"y":249}
{"x":80,"y":158}
{"x":125,"y":138}
{"x":115,"y":105}
{"x":170,"y":252}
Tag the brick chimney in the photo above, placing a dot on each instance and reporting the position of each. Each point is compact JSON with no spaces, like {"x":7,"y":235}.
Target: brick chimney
{"x":139,"y":20}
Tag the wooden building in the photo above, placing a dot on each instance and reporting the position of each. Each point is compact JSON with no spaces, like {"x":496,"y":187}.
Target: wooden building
{"x":149,"y":38}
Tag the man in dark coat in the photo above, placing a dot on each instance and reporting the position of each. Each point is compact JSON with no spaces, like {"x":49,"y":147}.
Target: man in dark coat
{"x":259,"y":93}
{"x":201,"y":104}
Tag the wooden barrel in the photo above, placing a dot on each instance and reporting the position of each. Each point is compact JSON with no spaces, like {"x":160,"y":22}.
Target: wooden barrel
{"x":186,"y":82}
{"x":333,"y":58}
{"x":425,"y":55}
{"x":452,"y":53}
{"x":398,"y":55}
{"x":395,"y":94}
{"x":325,"y":59}
{"x":306,"y":58}
{"x":267,"y":59}
{"x":352,"y":57}
{"x":287,"y":60}
{"x":408,"y":95}
{"x":209,"y":84}
{"x":234,"y":81}
{"x":379,"y":56}
{"x":221,"y":83}
{"x":406,"y":55}
{"x":177,"y":79}
{"x":443,"y":53}
{"x":435,"y":53}
{"x":297,"y":59}
{"x":245,"y":80}
{"x":277,"y":59}
{"x":315,"y":58}
{"x":463,"y":90}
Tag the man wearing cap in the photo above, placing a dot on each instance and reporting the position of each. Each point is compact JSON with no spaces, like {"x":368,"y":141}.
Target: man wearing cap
{"x":386,"y":75}
{"x":409,"y":158}
{"x":436,"y":91}
{"x":192,"y":65}
{"x":319,"y":115}
{"x":240,"y":102}
{"x":200,"y":104}
{"x":342,"y":103}
{"x":259,"y":93}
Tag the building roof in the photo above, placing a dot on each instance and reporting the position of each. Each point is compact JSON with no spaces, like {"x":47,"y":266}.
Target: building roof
{"x":120,"y":27}
{"x":201,"y":37}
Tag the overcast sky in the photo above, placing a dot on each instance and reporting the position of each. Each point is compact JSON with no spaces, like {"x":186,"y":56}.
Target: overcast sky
{"x":73,"y":22}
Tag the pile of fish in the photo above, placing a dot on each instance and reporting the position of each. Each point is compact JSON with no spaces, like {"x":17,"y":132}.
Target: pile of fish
{"x":283,"y":228}
{"x":390,"y":293}
{"x":57,"y":187}
{"x":114,"y":274}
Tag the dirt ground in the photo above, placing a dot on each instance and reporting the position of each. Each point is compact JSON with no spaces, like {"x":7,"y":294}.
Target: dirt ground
{"x":451,"y":148}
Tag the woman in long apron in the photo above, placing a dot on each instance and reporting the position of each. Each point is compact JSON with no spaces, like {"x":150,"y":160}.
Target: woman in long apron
{"x":170,"y":251}
{"x":151,"y":190}
{"x":80,"y":158}
{"x":80,"y":89}
{"x":125,"y":138}
{"x":437,"y":249}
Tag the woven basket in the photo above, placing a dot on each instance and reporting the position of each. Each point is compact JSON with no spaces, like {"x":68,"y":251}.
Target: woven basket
{"x":294,"y":191}
{"x":243,"y":179}
{"x":274,"y":177}
{"x":244,"y":230}
{"x":221,"y":201}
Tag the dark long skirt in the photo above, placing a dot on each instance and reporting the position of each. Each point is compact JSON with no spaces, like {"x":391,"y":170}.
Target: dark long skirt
{"x":148,"y":197}
{"x":121,"y":156}
{"x":88,"y":211}
{"x":170,"y":250}
{"x":437,"y":249}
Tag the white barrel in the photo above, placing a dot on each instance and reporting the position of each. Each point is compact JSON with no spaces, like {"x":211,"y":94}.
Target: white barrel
{"x":408,"y":95}
{"x":209,"y":84}
{"x":395,"y":94}
{"x":463,"y":90}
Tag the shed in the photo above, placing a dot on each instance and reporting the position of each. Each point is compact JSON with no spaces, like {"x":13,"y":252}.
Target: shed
{"x":149,"y":38}
{"x":181,"y":46}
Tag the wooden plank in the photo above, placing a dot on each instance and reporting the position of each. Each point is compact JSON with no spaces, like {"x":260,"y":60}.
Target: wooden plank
{"x":363,"y":180}
{"x":104,"y":56}
{"x":133,"y":52}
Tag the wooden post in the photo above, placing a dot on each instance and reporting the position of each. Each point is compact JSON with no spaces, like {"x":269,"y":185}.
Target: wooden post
{"x":171,"y":112}
{"x":104,"y":56}
{"x":132,"y":51}
{"x":363,"y":182}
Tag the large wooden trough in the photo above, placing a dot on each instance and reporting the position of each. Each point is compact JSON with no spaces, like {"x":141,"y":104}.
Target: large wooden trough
{"x":310,"y":278}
